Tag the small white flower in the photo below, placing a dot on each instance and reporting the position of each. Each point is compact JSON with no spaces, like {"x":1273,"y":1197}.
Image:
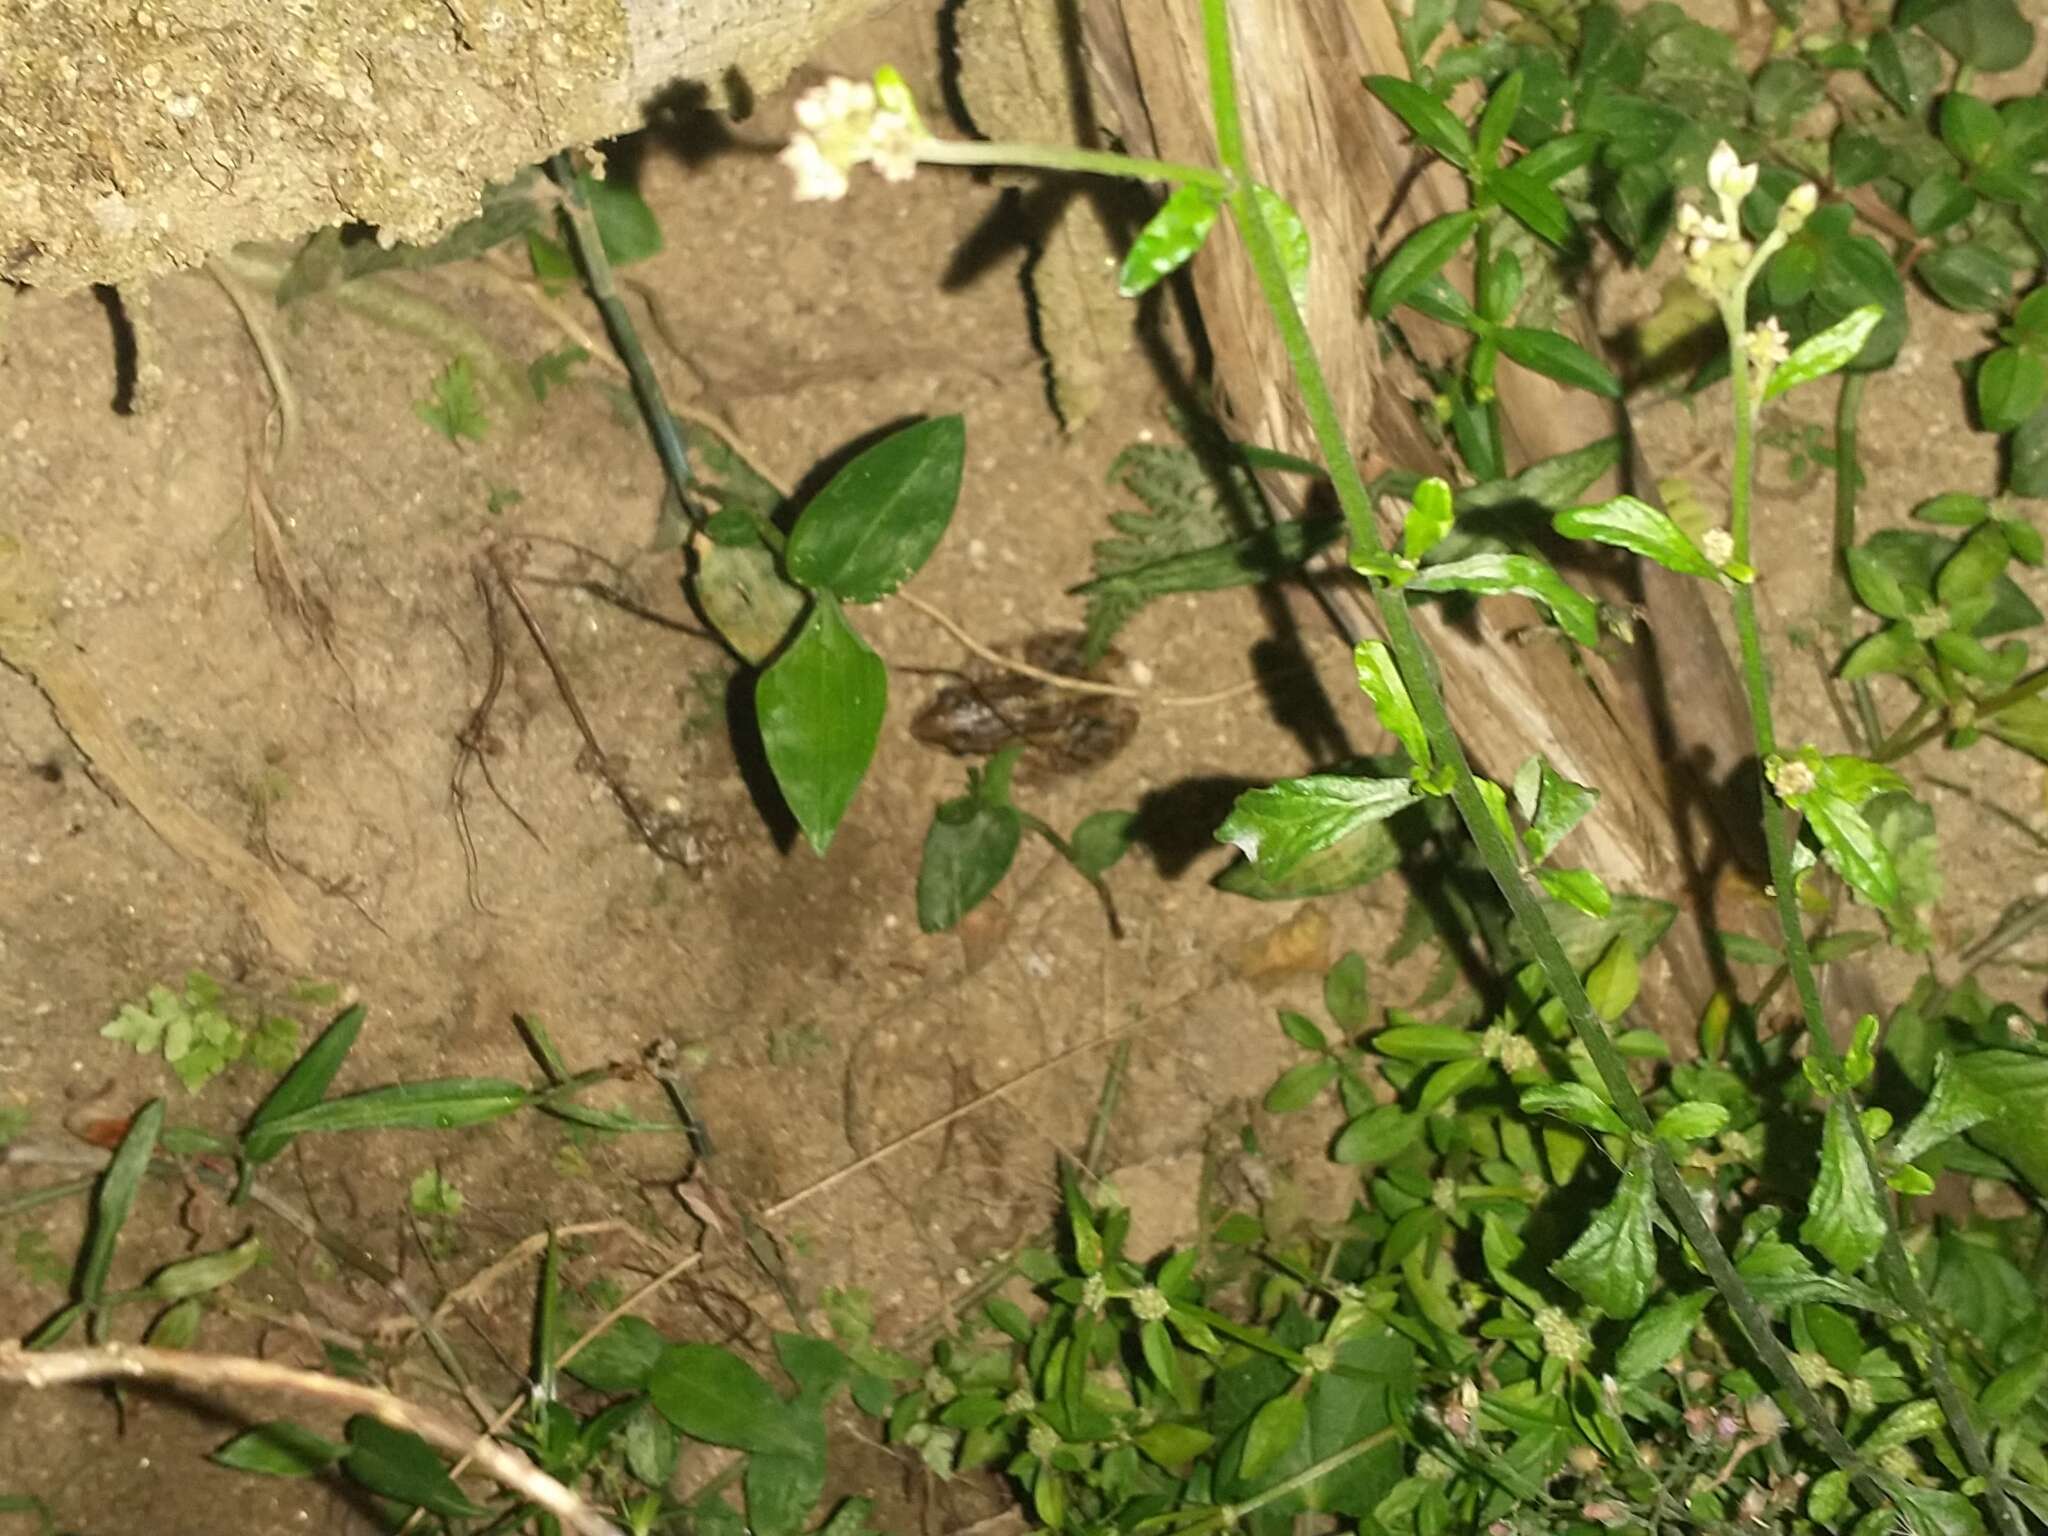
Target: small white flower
{"x":1798,"y":207}
{"x":1768,"y":345}
{"x":1793,"y":778}
{"x":1320,"y":1357}
{"x":818,"y":180}
{"x":1718,"y":545}
{"x":1150,"y":1304}
{"x":1094,"y":1292}
{"x":1731,"y":180}
{"x":1043,"y":1441}
{"x":1519,"y":1055}
{"x":1561,"y":1336}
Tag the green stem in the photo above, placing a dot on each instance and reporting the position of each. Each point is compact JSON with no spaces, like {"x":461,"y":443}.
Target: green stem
{"x":604,"y":292}
{"x":1848,"y":485}
{"x":1418,"y":673}
{"x":1904,"y":745}
{"x":1054,"y":157}
{"x":1894,"y":1265}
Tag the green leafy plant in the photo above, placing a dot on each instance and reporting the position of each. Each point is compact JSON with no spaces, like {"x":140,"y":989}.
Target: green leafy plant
{"x":197,"y":1036}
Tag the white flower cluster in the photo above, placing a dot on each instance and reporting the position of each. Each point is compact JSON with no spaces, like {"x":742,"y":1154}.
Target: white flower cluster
{"x":1720,"y":263}
{"x":844,"y":123}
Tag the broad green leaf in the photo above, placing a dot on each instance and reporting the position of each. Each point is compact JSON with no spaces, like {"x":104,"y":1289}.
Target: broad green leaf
{"x":967,"y":850}
{"x":1432,"y":123}
{"x":1695,"y":1121}
{"x":1939,"y":202}
{"x":1347,"y":993}
{"x":1987,"y":35}
{"x":2014,"y":1388}
{"x":783,"y":1490}
{"x":1357,"y":858}
{"x":1579,"y":889}
{"x":1426,"y":1042}
{"x":1659,"y":1334}
{"x":279,"y":1448}
{"x":1640,"y":528}
{"x":2012,"y":383}
{"x":400,"y":1465}
{"x":1173,"y":1446}
{"x":1574,"y":1102}
{"x":820,"y":709}
{"x":2023,"y":725}
{"x":205,"y":1272}
{"x":1845,"y":1220}
{"x":2017,"y":1082}
{"x":1376,"y":1135}
{"x":1523,"y":575}
{"x":1613,"y":982}
{"x":1969,"y":276}
{"x":438,"y":1104}
{"x":620,"y":1359}
{"x":1277,"y":828}
{"x":1301,"y":1031}
{"x":114,"y":1199}
{"x":712,"y":1395}
{"x":651,"y":1445}
{"x":1290,"y":239}
{"x":1419,"y":258}
{"x":302,"y":1087}
{"x":1451,"y":1079}
{"x":1101,"y":839}
{"x":1170,"y":237}
{"x":1615,"y":1258}
{"x":1969,"y":127}
{"x":1429,"y":518}
{"x":1895,"y":648}
{"x":1543,"y":212}
{"x":1299,"y":1085}
{"x":880,"y":517}
{"x":1852,"y":847}
{"x":1560,"y":358}
{"x":1825,"y":353}
{"x":745,"y":596}
{"x":1275,"y":1428}
{"x":1551,"y":804}
{"x":1381,"y":680}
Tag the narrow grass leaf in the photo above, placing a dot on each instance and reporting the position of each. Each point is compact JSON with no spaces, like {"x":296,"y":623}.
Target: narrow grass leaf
{"x":114,"y":1199}
{"x":279,"y":1449}
{"x":1381,"y":680}
{"x":439,"y":1104}
{"x":1419,"y":258}
{"x":305,"y":1085}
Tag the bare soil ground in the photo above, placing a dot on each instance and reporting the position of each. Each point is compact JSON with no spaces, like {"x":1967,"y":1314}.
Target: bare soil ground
{"x":830,"y":1025}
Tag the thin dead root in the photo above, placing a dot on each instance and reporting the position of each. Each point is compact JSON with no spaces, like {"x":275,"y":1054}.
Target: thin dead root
{"x":599,"y":760}
{"x":474,"y":741}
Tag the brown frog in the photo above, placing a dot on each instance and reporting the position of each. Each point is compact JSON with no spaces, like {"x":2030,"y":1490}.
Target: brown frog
{"x":1062,"y":731}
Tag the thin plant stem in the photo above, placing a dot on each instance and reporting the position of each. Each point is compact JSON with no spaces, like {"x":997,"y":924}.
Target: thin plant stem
{"x":1418,"y":673}
{"x":1848,"y":485}
{"x":1054,"y":157}
{"x":1894,"y":1264}
{"x":604,"y":292}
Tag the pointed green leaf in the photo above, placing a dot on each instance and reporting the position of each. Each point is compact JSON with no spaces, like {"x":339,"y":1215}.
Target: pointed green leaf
{"x":1639,"y":528}
{"x":1523,"y":575}
{"x":1376,"y":1135}
{"x":438,"y":1104}
{"x":820,"y":708}
{"x":1299,"y":1085}
{"x":1552,"y":805}
{"x":712,"y":1395}
{"x":1347,"y":993}
{"x":302,"y":1087}
{"x":1615,"y":1258}
{"x":205,"y":1272}
{"x":1659,"y":1334}
{"x":1852,"y":848}
{"x":1579,"y":889}
{"x":1534,"y":205}
{"x":1419,"y":258}
{"x":880,"y":517}
{"x":1574,"y":1102}
{"x":1955,"y":1104}
{"x":968,"y":848}
{"x":1699,"y":1120}
{"x":1381,"y":680}
{"x":279,"y":1449}
{"x":1560,"y":358}
{"x":1432,"y":123}
{"x":1426,"y":1042}
{"x":2012,"y":383}
{"x":114,"y":1199}
{"x":1277,"y":828}
{"x":1845,"y":1220}
{"x":1823,"y":354}
{"x":1275,"y":1428}
{"x":1170,"y":237}
{"x":400,"y":1465}
{"x":1498,"y":118}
